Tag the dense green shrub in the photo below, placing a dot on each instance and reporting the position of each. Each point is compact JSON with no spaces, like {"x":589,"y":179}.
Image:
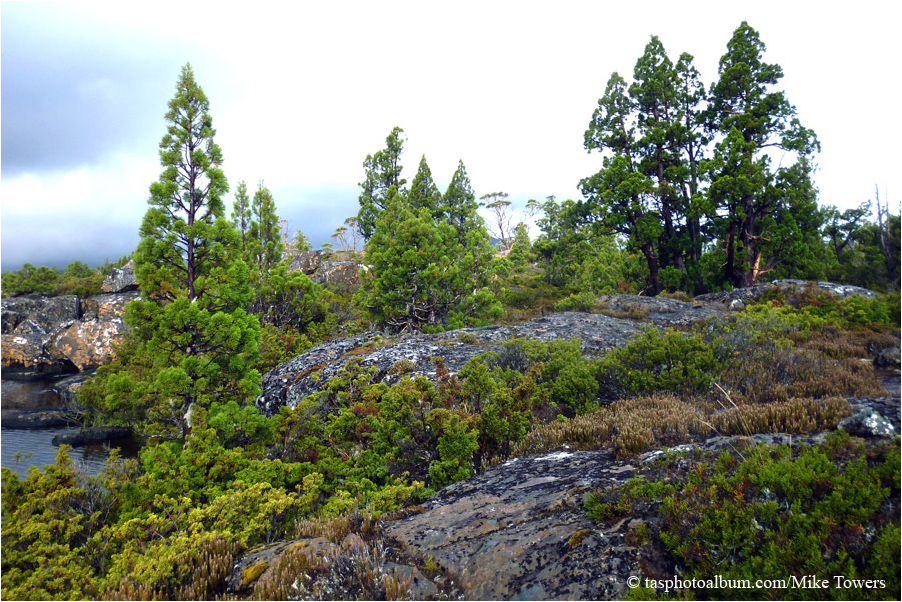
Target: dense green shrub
{"x":774,"y":514}
{"x":656,"y":361}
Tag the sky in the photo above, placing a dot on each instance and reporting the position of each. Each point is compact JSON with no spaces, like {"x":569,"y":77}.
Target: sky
{"x":300,"y":93}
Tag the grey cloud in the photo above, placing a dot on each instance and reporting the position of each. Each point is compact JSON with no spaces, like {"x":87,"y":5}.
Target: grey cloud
{"x":75,"y":94}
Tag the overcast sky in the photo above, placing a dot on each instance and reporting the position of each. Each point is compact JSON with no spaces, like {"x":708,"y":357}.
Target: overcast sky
{"x":299,"y":96}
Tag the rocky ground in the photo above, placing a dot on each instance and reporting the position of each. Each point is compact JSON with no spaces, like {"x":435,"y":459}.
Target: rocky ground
{"x":519,"y":531}
{"x":412,"y":355}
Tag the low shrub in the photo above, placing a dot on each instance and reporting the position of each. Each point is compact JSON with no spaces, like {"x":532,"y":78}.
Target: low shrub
{"x":779,"y":514}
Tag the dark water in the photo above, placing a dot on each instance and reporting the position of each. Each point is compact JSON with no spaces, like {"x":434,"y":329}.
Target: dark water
{"x":16,"y":444}
{"x":23,"y":448}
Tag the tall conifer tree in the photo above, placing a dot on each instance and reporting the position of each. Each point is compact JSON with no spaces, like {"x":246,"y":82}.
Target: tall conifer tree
{"x":194,"y":283}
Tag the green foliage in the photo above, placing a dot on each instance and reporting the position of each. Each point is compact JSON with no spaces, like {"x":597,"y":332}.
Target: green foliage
{"x":383,"y":175}
{"x":656,"y":361}
{"x":577,"y":257}
{"x":77,"y":279}
{"x":194,"y":343}
{"x":819,"y":511}
{"x":264,"y":248}
{"x":427,"y":275}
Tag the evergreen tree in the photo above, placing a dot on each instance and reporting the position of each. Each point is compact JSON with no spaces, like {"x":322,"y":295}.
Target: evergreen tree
{"x":408,"y":256}
{"x":191,"y":323}
{"x":265,"y":247}
{"x":427,"y":273}
{"x":761,"y":211}
{"x":383,"y":172}
{"x":241,"y":213}
{"x":620,"y":198}
{"x":459,"y":202}
{"x":424,"y":193}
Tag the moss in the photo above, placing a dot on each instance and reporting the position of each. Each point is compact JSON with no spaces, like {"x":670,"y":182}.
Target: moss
{"x":578,"y":537}
{"x":253,"y":572}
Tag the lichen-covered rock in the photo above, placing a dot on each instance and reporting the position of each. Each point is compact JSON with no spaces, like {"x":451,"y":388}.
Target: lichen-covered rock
{"x":868,"y":423}
{"x":107,"y":307}
{"x":48,"y":312}
{"x":340,"y":274}
{"x":520,"y":531}
{"x":754,"y":293}
{"x":353,"y":569}
{"x":289,"y":383}
{"x":120,"y":280}
{"x":889,"y":357}
{"x":659,"y":310}
{"x":57,"y":335}
{"x":307,"y":262}
{"x":23,"y":358}
{"x":86,"y":344}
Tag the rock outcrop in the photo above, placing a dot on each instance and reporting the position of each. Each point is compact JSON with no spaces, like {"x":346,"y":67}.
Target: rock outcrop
{"x":660,"y":310}
{"x":754,"y":293}
{"x":121,"y":280}
{"x":412,"y":355}
{"x":520,"y":532}
{"x":338,"y":269}
{"x":48,"y":336}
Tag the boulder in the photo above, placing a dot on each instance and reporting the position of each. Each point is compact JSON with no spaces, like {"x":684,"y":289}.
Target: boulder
{"x":868,"y":423}
{"x":120,"y":280}
{"x":23,"y":358}
{"x":339,"y":274}
{"x":94,"y":434}
{"x":307,"y":262}
{"x":66,"y":389}
{"x":107,"y":307}
{"x":49,"y":336}
{"x":888,"y":358}
{"x":86,"y":344}
{"x":40,"y":419}
{"x":48,"y":312}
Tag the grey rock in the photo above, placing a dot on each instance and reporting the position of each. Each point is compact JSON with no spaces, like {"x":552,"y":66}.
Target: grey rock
{"x":94,"y":434}
{"x":869,"y":424}
{"x":659,"y":310}
{"x":307,"y":262}
{"x":48,"y":312}
{"x":289,"y":383}
{"x":888,"y":358}
{"x":343,"y":274}
{"x":737,"y":305}
{"x":40,"y":419}
{"x":754,"y":293}
{"x":66,"y":389}
{"x":49,"y":336}
{"x":120,"y":280}
{"x":519,"y":531}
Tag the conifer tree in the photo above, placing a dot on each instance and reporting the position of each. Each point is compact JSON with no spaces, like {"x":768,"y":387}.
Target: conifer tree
{"x":763,"y":210}
{"x":424,"y":193}
{"x":265,"y":249}
{"x":383,"y":172}
{"x":191,"y":322}
{"x":427,"y":274}
{"x":241,"y":212}
{"x":459,"y":203}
